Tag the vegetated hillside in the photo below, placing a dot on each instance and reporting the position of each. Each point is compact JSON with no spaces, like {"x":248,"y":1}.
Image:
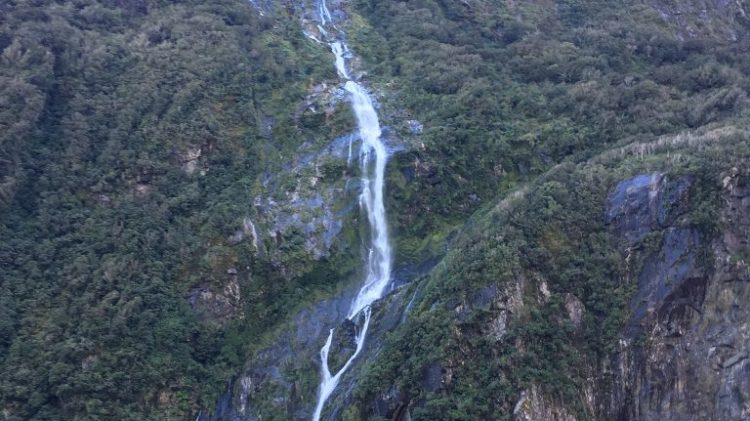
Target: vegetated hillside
{"x":600,"y":285}
{"x":571,"y":160}
{"x":602,"y":290}
{"x":505,"y":90}
{"x":136,"y":271}
{"x":174,"y":209}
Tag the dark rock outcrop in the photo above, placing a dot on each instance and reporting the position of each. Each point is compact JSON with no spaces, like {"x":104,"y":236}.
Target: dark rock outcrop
{"x":392,"y":405}
{"x":343,"y":345}
{"x":684,"y":352}
{"x":644,"y":203}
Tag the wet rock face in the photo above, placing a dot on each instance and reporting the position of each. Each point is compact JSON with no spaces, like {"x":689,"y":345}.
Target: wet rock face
{"x":272,"y":375}
{"x":684,"y":352}
{"x":671,"y":283}
{"x":343,"y":345}
{"x":307,"y":202}
{"x":272,"y":383}
{"x":387,"y":314}
{"x":645,"y":203}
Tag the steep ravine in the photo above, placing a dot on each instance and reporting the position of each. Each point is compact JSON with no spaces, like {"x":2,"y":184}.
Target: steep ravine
{"x":278,"y":379}
{"x":378,"y":257}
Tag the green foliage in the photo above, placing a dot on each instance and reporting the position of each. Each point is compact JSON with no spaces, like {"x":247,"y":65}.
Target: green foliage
{"x":552,"y":231}
{"x":506,"y":90}
{"x":108,"y":220}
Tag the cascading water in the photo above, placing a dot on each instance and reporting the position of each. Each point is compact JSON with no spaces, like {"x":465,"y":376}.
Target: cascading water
{"x":373,"y":157}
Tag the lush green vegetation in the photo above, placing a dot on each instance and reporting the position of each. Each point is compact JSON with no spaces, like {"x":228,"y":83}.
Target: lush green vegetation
{"x":552,"y":238}
{"x":105,"y":226}
{"x":135,"y":135}
{"x":506,"y":90}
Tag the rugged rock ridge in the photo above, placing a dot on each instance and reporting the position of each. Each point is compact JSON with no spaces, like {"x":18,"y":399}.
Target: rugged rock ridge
{"x":683,"y":351}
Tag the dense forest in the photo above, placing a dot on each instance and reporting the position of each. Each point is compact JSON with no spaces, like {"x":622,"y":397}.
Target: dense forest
{"x":507,"y":92}
{"x":130,"y":150}
{"x":175,"y":200}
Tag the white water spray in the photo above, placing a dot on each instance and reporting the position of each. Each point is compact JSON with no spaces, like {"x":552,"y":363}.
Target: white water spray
{"x":323,"y":12}
{"x":373,"y":157}
{"x":338,"y":52}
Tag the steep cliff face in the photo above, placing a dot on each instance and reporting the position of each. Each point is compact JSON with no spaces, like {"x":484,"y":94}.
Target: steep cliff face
{"x":534,"y":406}
{"x":684,"y":353}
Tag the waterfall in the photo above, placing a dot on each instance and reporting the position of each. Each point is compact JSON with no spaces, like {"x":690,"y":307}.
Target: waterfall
{"x":338,"y":52}
{"x":373,"y":157}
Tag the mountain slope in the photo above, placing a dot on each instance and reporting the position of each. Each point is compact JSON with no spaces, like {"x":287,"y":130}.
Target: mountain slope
{"x":584,"y":296}
{"x":567,"y":196}
{"x":138,"y":135}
